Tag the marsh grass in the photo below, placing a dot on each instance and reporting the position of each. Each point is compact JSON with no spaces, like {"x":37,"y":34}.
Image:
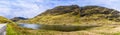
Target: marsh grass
{"x":14,"y":29}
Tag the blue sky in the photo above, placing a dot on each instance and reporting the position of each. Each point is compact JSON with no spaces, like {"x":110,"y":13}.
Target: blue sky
{"x":31,"y":8}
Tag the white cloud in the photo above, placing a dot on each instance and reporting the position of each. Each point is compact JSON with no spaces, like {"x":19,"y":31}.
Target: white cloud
{"x":110,"y":3}
{"x":26,"y":9}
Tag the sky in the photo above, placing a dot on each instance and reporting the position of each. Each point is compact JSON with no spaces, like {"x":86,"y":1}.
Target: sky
{"x":31,"y":8}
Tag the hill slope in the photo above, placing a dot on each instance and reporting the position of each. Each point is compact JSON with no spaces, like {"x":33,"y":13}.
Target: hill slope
{"x":76,"y":15}
{"x":4,"y":20}
{"x":15,"y":19}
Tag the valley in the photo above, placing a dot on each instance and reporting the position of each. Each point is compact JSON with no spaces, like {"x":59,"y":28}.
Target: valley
{"x":67,"y":20}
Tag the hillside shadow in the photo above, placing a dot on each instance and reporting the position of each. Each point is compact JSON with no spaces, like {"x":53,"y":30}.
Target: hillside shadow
{"x":66,"y":28}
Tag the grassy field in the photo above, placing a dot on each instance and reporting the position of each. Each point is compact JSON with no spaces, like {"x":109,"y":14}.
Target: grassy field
{"x":14,"y":29}
{"x":67,"y":19}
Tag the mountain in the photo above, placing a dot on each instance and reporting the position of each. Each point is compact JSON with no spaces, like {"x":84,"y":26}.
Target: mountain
{"x":15,"y":19}
{"x":4,"y":20}
{"x":74,"y":14}
{"x":61,"y":10}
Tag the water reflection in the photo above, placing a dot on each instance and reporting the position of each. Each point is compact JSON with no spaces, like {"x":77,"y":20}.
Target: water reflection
{"x":32,"y":26}
{"x":65,"y":28}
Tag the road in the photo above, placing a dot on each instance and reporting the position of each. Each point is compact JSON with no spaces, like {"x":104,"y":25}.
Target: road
{"x":3,"y":29}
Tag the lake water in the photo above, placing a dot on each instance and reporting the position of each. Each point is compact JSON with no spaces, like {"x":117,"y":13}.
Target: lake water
{"x":32,"y":26}
{"x":56,"y":27}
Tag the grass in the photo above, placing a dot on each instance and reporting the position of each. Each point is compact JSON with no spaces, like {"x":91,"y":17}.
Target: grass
{"x":65,"y":19}
{"x":117,"y":33}
{"x":53,"y":19}
{"x":69,"y":19}
{"x":4,"y":20}
{"x":14,"y":29}
{"x":57,"y":24}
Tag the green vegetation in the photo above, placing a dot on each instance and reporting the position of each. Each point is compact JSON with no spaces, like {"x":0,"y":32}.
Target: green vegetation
{"x":4,"y":20}
{"x":14,"y":29}
{"x":76,"y":15}
{"x":61,"y":16}
{"x":117,"y":33}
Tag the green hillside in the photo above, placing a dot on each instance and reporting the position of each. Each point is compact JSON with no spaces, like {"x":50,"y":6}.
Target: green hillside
{"x":4,"y":20}
{"x":107,"y":21}
{"x":77,"y":15}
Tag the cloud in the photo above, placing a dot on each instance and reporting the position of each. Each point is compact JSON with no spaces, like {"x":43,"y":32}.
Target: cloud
{"x":114,"y":4}
{"x":31,"y":8}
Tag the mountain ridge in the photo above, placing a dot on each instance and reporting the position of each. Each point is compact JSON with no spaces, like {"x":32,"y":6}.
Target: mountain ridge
{"x":74,"y":14}
{"x":15,"y":19}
